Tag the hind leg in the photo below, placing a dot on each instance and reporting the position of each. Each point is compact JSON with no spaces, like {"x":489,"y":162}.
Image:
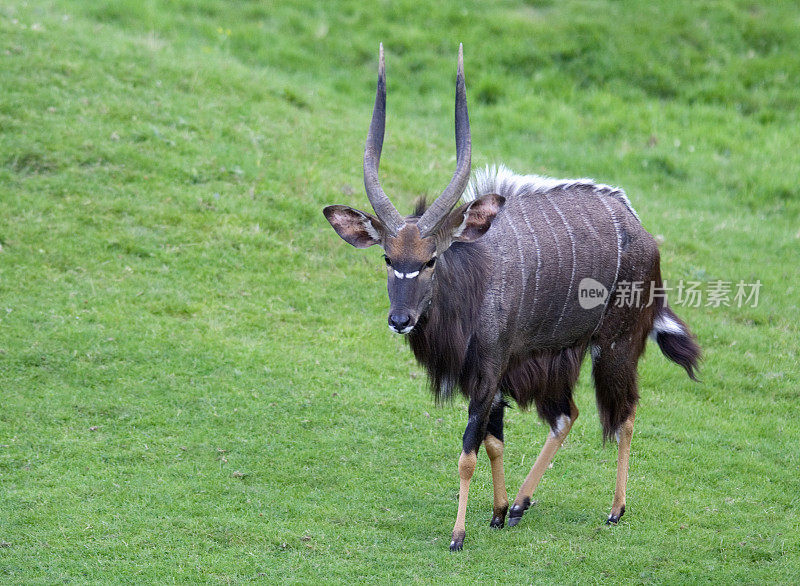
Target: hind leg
{"x":625,"y":434}
{"x":554,"y":440}
{"x":614,"y":372}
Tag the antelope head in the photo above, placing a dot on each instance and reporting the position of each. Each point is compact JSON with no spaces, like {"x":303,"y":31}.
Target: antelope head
{"x":412,"y":244}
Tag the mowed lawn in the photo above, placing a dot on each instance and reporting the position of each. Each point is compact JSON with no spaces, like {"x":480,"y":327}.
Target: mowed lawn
{"x":197,"y":383}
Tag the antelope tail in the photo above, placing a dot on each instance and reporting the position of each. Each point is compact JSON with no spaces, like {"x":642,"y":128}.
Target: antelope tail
{"x":676,"y":340}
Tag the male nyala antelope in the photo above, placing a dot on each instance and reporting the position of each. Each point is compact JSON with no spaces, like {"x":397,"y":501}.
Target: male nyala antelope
{"x":488,"y":297}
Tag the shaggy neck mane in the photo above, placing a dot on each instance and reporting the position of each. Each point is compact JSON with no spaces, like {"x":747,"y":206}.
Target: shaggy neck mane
{"x":444,"y":334}
{"x":503,"y":181}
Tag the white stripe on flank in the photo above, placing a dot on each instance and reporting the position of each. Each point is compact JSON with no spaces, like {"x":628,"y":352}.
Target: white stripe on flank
{"x":532,"y":232}
{"x":619,"y":244}
{"x":554,"y":240}
{"x":521,"y":268}
{"x":619,"y":261}
{"x":574,"y":259}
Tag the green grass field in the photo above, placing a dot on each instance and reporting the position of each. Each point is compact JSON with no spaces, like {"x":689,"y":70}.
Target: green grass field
{"x":198,"y":384}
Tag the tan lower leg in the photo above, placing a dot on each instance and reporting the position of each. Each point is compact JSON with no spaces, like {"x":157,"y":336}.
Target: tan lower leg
{"x":554,"y":440}
{"x":494,"y":449}
{"x":625,"y":435}
{"x":466,"y":467}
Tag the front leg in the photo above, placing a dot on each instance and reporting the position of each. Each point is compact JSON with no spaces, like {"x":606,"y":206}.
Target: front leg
{"x":466,"y":467}
{"x":494,"y":449}
{"x":479,"y":410}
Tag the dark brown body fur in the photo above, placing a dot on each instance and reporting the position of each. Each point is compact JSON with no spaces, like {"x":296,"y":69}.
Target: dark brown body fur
{"x":450,"y":342}
{"x":490,"y":295}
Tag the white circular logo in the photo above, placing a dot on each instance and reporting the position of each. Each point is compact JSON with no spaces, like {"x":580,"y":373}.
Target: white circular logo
{"x":591,"y":293}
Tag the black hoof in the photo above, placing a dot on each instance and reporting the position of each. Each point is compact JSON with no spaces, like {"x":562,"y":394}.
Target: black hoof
{"x":499,"y":518}
{"x":614,"y":518}
{"x":457,"y":542}
{"x":516,"y":512}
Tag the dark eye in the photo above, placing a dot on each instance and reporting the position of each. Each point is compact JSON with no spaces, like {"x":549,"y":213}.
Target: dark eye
{"x":431,"y":262}
{"x":388,"y":262}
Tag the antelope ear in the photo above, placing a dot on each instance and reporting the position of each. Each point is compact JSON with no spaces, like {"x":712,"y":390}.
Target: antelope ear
{"x":355,"y":227}
{"x":472,"y":220}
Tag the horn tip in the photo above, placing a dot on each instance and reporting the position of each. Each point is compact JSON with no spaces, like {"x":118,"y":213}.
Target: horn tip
{"x":381,"y":63}
{"x":461,"y":58}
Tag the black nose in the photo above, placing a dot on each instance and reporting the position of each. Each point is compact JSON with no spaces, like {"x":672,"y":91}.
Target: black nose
{"x":399,"y":321}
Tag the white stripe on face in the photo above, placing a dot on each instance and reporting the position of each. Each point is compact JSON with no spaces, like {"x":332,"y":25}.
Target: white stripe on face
{"x":400,"y":275}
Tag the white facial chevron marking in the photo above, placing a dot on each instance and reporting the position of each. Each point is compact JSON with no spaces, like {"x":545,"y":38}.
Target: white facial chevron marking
{"x":400,"y":275}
